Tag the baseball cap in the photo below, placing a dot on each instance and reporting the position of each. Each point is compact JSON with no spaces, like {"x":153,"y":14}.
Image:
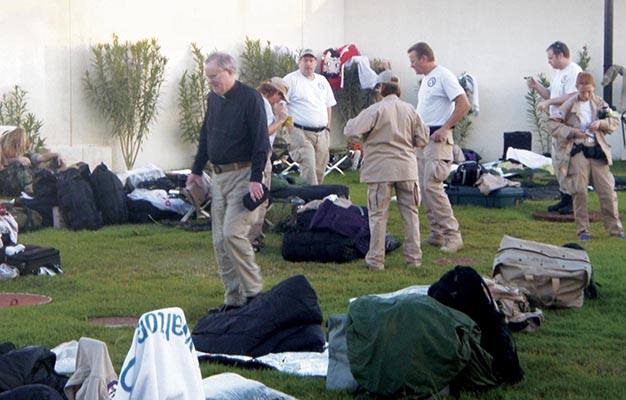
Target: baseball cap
{"x":387,"y":77}
{"x":281,"y":86}
{"x":308,"y":52}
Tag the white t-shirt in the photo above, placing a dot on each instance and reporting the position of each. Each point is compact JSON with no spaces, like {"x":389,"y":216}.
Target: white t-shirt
{"x":269,"y":113}
{"x":435,"y":98}
{"x":564,"y":82}
{"x":309,"y":99}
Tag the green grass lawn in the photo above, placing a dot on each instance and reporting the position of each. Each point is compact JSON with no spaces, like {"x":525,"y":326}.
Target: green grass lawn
{"x":131,"y":269}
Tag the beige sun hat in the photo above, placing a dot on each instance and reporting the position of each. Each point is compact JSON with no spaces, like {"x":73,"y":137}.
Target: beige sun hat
{"x":281,"y":86}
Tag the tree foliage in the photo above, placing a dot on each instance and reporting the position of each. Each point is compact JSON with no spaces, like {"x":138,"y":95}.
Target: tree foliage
{"x":124,"y":84}
{"x":462,"y":128}
{"x":351,"y":99}
{"x":259,"y":63}
{"x":584,"y":59}
{"x":193,"y":91}
{"x":538,"y":119}
{"x":14,"y":111}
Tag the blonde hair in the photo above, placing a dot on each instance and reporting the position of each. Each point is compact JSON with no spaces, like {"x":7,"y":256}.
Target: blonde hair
{"x":13,"y":144}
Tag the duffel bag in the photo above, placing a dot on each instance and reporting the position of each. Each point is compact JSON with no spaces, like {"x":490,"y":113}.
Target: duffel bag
{"x":552,"y":276}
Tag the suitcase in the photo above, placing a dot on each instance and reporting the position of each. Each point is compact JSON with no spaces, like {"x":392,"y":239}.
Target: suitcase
{"x":551,"y":276}
{"x":32,"y":258}
{"x":499,"y":198}
{"x":517,"y":140}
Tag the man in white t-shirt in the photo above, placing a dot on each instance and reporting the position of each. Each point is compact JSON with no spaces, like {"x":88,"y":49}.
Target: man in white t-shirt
{"x":562,"y":87}
{"x":310,"y":104}
{"x":442,"y":103}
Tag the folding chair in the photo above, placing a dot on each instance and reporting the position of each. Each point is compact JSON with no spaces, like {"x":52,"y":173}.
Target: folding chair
{"x":283,"y":163}
{"x":199,"y":197}
{"x":335,"y":166}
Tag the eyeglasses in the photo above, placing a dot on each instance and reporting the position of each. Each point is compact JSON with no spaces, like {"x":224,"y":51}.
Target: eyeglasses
{"x":215,"y":77}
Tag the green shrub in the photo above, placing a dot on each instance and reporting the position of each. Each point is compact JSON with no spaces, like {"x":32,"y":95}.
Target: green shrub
{"x":351,"y":99}
{"x":260,"y":63}
{"x":14,"y":111}
{"x":124,"y":84}
{"x":462,"y":128}
{"x":193,"y":91}
{"x":538,"y":119}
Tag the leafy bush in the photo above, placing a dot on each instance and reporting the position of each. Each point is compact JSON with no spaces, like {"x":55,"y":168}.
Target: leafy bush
{"x":584,"y":59}
{"x":462,"y":128}
{"x":351,"y":99}
{"x":124,"y":84}
{"x":193,"y":91}
{"x":14,"y":111}
{"x":260,"y":63}
{"x":538,"y":119}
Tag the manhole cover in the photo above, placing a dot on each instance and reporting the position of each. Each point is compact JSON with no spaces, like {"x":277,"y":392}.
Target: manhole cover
{"x":459,"y":261}
{"x":22,"y":299}
{"x":115,"y":322}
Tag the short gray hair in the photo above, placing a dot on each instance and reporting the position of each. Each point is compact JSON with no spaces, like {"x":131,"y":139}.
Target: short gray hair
{"x":224,"y":60}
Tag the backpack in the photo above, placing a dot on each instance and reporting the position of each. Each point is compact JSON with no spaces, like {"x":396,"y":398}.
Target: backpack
{"x":13,"y":179}
{"x":512,"y":301}
{"x":463,"y":289}
{"x":44,"y":198}
{"x":76,"y":199}
{"x":471,"y":155}
{"x":109,"y":194}
{"x":467,"y":173}
{"x":28,"y":219}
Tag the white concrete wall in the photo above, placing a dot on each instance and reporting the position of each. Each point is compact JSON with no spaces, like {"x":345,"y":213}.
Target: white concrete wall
{"x":46,"y":50}
{"x":499,"y":42}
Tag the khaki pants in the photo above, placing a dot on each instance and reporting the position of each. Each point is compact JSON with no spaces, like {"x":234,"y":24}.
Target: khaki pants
{"x":310,"y":150}
{"x":378,"y":198}
{"x":437,"y":206}
{"x":256,"y":230}
{"x":231,"y":223}
{"x":581,"y":169}
{"x":556,"y":161}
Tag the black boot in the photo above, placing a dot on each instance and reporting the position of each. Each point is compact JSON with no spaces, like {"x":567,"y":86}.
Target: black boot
{"x":568,"y":208}
{"x":561,"y":203}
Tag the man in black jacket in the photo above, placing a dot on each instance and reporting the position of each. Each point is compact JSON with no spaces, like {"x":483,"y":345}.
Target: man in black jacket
{"x":234,"y":141}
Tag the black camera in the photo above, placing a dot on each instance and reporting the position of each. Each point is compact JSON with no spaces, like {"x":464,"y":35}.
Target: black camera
{"x":605,"y":112}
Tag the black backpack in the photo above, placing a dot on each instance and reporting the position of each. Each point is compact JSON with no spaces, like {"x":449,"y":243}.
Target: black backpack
{"x":109,"y":194}
{"x":467,"y":174}
{"x":76,"y":199}
{"x":463,"y":289}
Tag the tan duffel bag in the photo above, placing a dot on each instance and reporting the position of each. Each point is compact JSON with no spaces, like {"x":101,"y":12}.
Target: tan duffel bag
{"x":552,"y":276}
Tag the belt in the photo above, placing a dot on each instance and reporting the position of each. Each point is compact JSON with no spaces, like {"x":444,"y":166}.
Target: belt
{"x":308,"y":128}
{"x":434,"y":129}
{"x":219,"y":168}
